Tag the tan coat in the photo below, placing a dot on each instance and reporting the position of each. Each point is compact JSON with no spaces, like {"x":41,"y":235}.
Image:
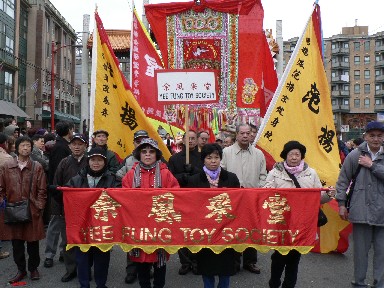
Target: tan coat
{"x":15,"y":185}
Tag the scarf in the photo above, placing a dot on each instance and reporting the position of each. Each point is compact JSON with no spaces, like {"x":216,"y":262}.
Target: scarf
{"x":137,"y":174}
{"x":135,"y":252}
{"x":295,"y":170}
{"x":212,"y":176}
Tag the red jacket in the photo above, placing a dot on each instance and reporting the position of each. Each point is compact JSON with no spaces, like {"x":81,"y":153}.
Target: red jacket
{"x":147,"y":181}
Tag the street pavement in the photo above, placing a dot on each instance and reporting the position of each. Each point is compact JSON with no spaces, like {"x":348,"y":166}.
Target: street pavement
{"x":315,"y":271}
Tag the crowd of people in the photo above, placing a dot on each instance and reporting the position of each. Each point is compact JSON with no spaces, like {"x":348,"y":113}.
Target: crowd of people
{"x":33,"y":163}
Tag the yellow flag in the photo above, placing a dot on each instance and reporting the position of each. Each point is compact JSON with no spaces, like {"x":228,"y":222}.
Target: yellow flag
{"x":113,"y":106}
{"x":301,"y":110}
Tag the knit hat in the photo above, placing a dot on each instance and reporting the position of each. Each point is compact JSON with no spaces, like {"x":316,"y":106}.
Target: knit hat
{"x":374,"y":125}
{"x":290,"y":145}
{"x":140,"y":133}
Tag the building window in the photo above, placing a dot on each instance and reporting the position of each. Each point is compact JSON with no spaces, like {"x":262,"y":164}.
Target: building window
{"x":366,"y":60}
{"x":357,"y":60}
{"x":357,"y":88}
{"x":47,"y":24}
{"x":65,"y":63}
{"x":9,"y":44}
{"x":346,"y":102}
{"x":377,"y":87}
{"x":356,"y":46}
{"x":346,"y":45}
{"x":333,"y":102}
{"x":48,"y":47}
{"x":9,"y":8}
{"x":8,"y":86}
{"x":346,"y":87}
{"x":367,"y":45}
{"x":346,"y":59}
{"x":356,"y":103}
{"x":333,"y":46}
{"x":377,"y":72}
{"x":377,"y":101}
{"x":367,"y":88}
{"x":367,"y":74}
{"x":357,"y":74}
{"x":367,"y":103}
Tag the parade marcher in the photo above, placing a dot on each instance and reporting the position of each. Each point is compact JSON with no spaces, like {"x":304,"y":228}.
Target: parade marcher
{"x":38,"y":151}
{"x":248,"y":163}
{"x":169,"y":142}
{"x":177,"y":165}
{"x":253,"y":134}
{"x":202,"y":139}
{"x":366,"y":213}
{"x":150,"y":172}
{"x":4,"y":157}
{"x":228,"y":141}
{"x":94,"y":175}
{"x":12,"y":130}
{"x":130,"y":160}
{"x":293,"y":172}
{"x":68,"y":168}
{"x":100,"y":139}
{"x":21,"y":179}
{"x":58,"y":152}
{"x":210,"y":264}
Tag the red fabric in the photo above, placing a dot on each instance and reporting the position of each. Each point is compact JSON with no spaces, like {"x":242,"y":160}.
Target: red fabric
{"x":147,"y":181}
{"x":157,"y":13}
{"x":269,"y":79}
{"x":172,"y":217}
{"x":270,"y":161}
{"x":316,"y":20}
{"x":143,"y":81}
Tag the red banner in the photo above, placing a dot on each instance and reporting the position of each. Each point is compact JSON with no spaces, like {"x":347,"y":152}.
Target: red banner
{"x":281,"y":219}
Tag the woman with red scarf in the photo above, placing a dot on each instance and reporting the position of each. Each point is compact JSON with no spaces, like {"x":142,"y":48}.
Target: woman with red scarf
{"x":149,"y":172}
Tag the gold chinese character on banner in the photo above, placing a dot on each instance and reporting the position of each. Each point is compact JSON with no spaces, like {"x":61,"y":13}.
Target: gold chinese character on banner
{"x":162,"y":209}
{"x":220,"y":206}
{"x":105,"y":205}
{"x":277,"y":206}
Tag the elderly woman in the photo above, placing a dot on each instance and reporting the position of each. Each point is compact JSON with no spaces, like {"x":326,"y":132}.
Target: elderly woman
{"x":213,"y":176}
{"x":21,"y":179}
{"x":149,"y":172}
{"x":94,"y":175}
{"x":293,"y":172}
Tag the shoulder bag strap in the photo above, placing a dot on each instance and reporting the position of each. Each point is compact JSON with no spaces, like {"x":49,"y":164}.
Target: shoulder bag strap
{"x":294,"y":179}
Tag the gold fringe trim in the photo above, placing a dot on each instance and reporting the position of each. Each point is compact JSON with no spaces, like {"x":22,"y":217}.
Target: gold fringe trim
{"x":194,"y":249}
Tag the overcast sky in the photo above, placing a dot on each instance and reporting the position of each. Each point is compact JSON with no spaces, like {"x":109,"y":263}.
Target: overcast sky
{"x":116,"y":14}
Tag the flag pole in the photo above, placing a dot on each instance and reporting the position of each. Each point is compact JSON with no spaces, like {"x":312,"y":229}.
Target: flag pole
{"x":186,"y":134}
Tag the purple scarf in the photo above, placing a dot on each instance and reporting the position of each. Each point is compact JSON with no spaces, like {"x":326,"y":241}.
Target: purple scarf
{"x":213,"y":174}
{"x":294,"y":170}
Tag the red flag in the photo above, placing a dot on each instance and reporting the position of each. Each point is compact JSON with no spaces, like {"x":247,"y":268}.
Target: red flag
{"x":145,"y":60}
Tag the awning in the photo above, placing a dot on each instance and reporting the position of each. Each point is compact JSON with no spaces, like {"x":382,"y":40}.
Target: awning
{"x":60,"y":116}
{"x":11,"y":109}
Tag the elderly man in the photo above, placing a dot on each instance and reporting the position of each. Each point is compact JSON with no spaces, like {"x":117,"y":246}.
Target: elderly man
{"x":248,"y":163}
{"x":177,"y":165}
{"x":366,"y":165}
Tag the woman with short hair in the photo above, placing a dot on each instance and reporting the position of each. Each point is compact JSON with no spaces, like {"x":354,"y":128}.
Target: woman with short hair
{"x":210,"y":264}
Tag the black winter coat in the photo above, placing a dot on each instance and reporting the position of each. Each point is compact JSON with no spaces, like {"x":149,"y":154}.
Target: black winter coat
{"x":59,"y":151}
{"x":68,"y":168}
{"x":209,"y":263}
{"x":108,"y":180}
{"x":177,"y":162}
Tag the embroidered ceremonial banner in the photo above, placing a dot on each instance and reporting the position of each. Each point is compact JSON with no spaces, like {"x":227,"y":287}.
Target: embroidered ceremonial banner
{"x":113,"y":106}
{"x":281,"y":219}
{"x":301,"y":110}
{"x":223,"y":35}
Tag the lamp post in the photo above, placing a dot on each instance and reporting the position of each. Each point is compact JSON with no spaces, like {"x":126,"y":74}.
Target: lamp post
{"x":53,"y":52}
